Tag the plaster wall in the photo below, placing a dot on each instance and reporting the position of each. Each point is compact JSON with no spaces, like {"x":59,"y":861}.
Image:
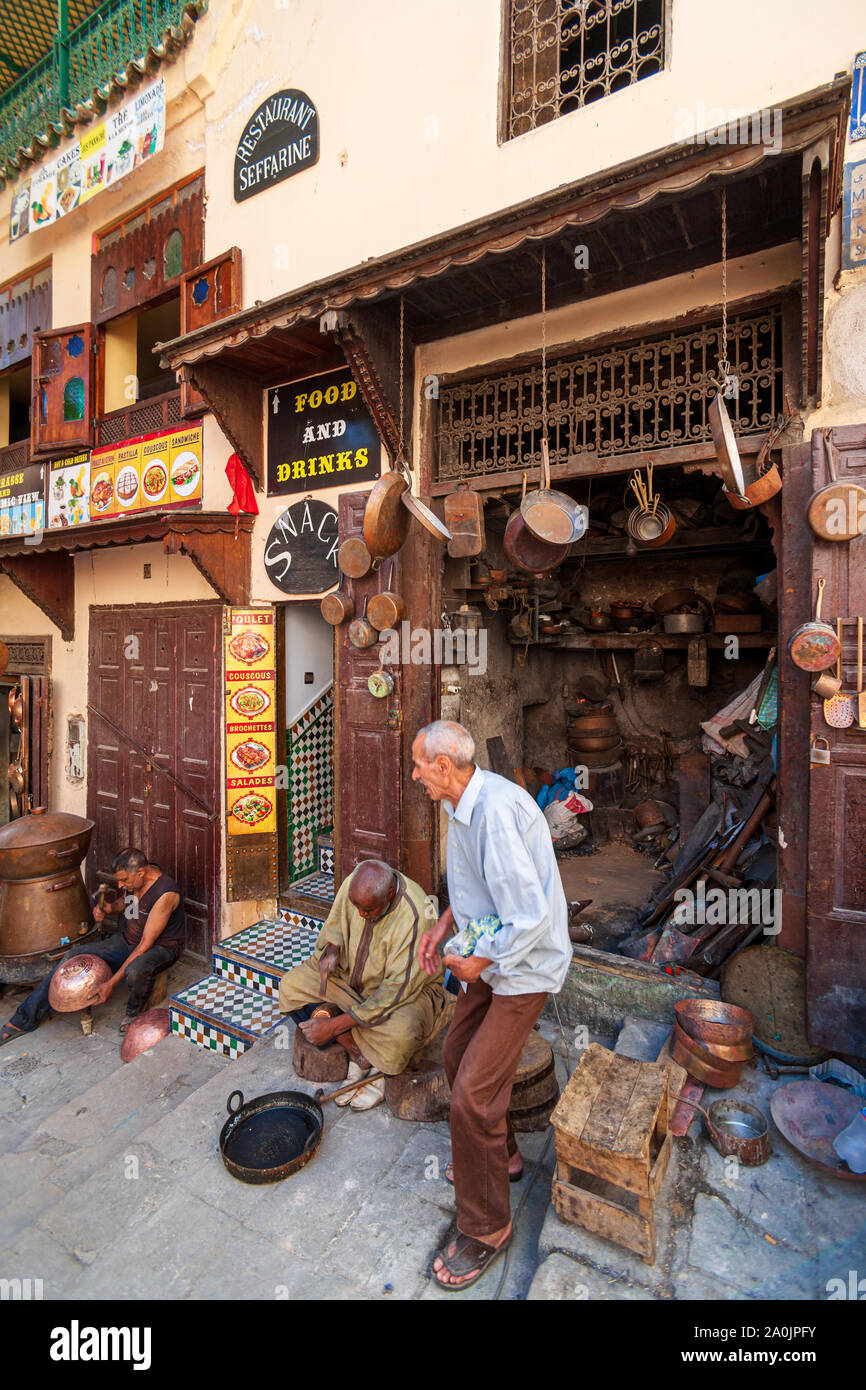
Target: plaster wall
{"x":408,"y":99}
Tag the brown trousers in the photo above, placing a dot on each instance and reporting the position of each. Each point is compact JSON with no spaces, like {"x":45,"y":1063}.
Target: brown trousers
{"x":481,"y":1054}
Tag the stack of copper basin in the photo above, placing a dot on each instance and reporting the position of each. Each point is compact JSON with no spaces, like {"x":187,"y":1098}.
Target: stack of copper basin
{"x":712,"y":1040}
{"x":593,"y":735}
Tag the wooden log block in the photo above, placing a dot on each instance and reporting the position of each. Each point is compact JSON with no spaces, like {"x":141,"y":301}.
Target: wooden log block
{"x":158,"y":993}
{"x":421,"y":1094}
{"x":312,"y":1065}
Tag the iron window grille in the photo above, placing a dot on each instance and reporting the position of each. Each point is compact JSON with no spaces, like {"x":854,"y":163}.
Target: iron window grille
{"x":651,"y":393}
{"x":564,"y":54}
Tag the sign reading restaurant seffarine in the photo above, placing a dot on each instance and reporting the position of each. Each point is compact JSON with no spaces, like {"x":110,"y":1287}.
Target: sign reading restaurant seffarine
{"x":281,"y":139}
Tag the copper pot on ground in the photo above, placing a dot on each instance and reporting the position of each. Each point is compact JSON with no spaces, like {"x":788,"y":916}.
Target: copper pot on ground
{"x":44,"y":907}
{"x":145,"y":1032}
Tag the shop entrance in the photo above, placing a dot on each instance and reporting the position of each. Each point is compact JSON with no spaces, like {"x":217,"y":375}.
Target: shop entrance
{"x":154,"y":673}
{"x":309,"y":747}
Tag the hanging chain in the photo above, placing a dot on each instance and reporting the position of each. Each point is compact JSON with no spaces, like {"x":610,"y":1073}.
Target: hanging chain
{"x":402,"y":373}
{"x":544,"y":341}
{"x":724,"y":364}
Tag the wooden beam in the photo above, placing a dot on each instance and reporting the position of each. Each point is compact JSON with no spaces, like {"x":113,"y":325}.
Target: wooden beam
{"x":48,"y":580}
{"x":236,"y":401}
{"x":223,"y":559}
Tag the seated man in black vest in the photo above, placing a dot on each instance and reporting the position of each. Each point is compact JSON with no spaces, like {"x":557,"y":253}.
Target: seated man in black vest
{"x":150,"y":938}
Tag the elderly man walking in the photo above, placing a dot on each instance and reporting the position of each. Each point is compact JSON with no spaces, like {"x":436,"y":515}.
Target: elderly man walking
{"x":363,"y":987}
{"x":501,"y":867}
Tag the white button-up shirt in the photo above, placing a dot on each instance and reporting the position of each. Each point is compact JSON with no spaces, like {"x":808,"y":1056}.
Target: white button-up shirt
{"x":501,"y":861}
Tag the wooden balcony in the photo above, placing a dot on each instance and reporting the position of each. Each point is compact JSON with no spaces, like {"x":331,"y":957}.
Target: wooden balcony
{"x":142,"y":417}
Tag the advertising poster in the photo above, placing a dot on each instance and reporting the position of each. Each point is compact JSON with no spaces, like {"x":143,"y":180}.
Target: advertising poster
{"x":102,"y":503}
{"x":22,"y":501}
{"x":320,"y":434}
{"x":251,"y":691}
{"x":152,"y":471}
{"x":67,"y":490}
{"x":103,"y":155}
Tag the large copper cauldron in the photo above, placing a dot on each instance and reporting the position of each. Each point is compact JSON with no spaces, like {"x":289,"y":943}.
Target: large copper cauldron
{"x":43,"y":902}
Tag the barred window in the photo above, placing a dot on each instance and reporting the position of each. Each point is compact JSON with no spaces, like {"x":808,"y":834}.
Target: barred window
{"x":563,"y":54}
{"x":624,"y":398}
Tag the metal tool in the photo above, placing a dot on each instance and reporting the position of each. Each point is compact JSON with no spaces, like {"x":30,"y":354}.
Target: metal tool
{"x":839,"y":709}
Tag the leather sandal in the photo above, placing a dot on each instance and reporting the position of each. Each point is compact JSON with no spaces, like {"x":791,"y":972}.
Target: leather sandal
{"x":470,"y":1256}
{"x":9,"y":1031}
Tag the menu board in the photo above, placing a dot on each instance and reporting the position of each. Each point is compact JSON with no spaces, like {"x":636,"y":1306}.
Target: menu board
{"x":153,"y":471}
{"x":22,"y":501}
{"x":67,"y":490}
{"x":104,"y":154}
{"x":251,"y":691}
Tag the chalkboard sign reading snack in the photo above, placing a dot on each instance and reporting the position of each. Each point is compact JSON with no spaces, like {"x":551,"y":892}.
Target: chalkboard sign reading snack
{"x":281,"y":139}
{"x":301,"y":548}
{"x":320,"y":435}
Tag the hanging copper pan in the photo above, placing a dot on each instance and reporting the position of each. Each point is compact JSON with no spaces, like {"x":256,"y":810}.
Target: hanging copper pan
{"x":815,"y":646}
{"x":550,"y":515}
{"x":337,"y":607}
{"x":386,"y":520}
{"x":525,"y":551}
{"x":354,"y":558}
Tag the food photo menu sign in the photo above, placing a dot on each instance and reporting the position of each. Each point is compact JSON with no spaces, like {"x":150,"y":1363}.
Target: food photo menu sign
{"x":153,"y":471}
{"x":251,"y":692}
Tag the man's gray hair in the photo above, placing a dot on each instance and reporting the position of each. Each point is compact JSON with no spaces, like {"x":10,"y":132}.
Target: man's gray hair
{"x":445,"y":736}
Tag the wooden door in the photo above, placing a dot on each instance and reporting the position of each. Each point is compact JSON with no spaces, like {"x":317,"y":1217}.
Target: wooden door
{"x":367,"y":737}
{"x":836,"y":894}
{"x":62,"y":415}
{"x":155,"y":673}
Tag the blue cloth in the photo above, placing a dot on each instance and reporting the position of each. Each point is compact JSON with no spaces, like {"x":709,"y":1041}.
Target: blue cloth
{"x":501,"y":863}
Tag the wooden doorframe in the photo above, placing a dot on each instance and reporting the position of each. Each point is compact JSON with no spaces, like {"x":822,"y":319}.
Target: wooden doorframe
{"x":214,"y":886}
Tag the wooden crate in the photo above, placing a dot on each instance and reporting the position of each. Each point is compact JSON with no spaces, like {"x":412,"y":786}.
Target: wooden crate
{"x":611,"y":1125}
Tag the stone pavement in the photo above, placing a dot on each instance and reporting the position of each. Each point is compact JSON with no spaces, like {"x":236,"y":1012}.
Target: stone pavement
{"x":111,"y":1186}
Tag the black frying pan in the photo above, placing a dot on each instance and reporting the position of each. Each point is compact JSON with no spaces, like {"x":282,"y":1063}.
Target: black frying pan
{"x":270,"y":1137}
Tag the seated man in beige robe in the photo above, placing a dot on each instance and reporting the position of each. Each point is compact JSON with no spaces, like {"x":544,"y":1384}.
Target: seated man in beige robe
{"x":365,"y":965}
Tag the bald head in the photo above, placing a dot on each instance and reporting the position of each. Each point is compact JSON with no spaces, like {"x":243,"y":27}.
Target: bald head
{"x":372,"y":887}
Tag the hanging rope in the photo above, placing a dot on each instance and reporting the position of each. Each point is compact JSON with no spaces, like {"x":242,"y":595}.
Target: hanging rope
{"x":724,"y":364}
{"x":402,"y":374}
{"x":544,"y":341}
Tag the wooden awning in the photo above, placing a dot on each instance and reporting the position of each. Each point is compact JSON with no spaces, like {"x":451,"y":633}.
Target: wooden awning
{"x":46,"y":572}
{"x":650,"y":218}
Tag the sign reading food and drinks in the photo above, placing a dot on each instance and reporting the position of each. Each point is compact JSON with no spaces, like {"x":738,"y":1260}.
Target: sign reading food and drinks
{"x":251,"y":692}
{"x":106,"y":153}
{"x":22,"y":501}
{"x":279,"y":140}
{"x":153,"y":471}
{"x":320,"y":435}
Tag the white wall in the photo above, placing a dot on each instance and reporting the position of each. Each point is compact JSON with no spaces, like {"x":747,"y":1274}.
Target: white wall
{"x":309,"y":647}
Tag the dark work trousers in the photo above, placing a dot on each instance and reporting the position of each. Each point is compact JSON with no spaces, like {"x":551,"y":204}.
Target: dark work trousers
{"x":481,"y":1054}
{"x":113,"y":949}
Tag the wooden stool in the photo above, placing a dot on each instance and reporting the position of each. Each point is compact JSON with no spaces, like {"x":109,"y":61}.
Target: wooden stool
{"x":313,"y":1065}
{"x":611,"y":1127}
{"x":158,"y":993}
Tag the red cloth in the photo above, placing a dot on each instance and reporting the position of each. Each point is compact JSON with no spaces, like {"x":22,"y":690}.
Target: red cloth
{"x":243,"y":498}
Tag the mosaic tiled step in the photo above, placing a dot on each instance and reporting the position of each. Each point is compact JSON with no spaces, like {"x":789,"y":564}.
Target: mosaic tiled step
{"x":325,"y":851}
{"x":224,"y":1017}
{"x":258,"y":956}
{"x":319,"y":886}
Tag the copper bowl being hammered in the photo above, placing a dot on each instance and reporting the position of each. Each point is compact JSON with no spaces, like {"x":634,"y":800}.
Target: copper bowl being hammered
{"x":75,"y":981}
{"x":145,"y":1032}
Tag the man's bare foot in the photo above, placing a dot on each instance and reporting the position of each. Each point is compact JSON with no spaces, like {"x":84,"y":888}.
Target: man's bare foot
{"x":464,"y":1259}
